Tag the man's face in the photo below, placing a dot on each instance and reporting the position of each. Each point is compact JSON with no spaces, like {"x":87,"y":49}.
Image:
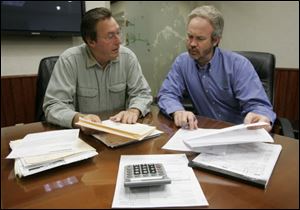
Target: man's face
{"x":199,"y":41}
{"x":107,"y":45}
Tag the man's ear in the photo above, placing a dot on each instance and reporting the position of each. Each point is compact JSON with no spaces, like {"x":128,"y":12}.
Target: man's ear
{"x":216,"y":41}
{"x":90,"y":42}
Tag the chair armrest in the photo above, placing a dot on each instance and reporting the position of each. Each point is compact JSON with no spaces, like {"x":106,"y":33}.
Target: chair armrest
{"x":286,"y":127}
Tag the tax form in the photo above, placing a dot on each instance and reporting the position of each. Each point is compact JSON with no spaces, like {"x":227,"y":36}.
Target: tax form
{"x":214,"y":141}
{"x":184,"y":190}
{"x":253,"y":162}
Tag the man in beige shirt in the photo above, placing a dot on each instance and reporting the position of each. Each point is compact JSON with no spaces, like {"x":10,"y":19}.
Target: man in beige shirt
{"x":100,"y":75}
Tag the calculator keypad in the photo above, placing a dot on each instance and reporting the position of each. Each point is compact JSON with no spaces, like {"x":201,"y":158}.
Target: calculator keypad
{"x":145,"y":175}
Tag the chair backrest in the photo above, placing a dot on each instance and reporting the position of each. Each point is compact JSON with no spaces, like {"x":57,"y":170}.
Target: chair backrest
{"x":264,"y":64}
{"x":45,"y":70}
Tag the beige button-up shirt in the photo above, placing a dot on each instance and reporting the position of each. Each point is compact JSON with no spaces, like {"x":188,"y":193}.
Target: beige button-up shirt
{"x":79,"y":84}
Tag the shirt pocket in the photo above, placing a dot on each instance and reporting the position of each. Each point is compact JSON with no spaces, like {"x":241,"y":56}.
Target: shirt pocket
{"x":87,"y":100}
{"x":117,"y":94}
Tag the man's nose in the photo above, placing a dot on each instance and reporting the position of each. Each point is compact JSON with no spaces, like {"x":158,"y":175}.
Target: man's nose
{"x":118,"y":40}
{"x":193,"y":42}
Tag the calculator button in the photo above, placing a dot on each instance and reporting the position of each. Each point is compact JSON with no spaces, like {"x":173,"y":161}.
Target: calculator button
{"x":139,"y":175}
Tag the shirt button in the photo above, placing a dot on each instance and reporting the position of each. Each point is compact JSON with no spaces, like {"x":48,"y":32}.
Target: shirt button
{"x":203,"y":77}
{"x":206,"y":91}
{"x":213,"y":103}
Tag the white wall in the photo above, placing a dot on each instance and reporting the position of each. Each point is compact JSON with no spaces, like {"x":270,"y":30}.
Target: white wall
{"x":262,"y":26}
{"x":21,"y":55}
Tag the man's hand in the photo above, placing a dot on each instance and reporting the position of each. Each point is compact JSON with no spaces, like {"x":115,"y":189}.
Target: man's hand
{"x":91,"y":117}
{"x":185,"y":119}
{"x":253,"y":118}
{"x":130,"y":116}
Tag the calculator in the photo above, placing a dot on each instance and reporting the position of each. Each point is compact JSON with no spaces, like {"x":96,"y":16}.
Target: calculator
{"x":142,"y":175}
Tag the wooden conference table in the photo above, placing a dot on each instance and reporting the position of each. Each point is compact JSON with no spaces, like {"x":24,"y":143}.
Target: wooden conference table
{"x":91,"y":183}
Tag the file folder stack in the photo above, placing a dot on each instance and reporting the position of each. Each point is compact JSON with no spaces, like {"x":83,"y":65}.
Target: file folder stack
{"x":42,"y":151}
{"x":135,"y":131}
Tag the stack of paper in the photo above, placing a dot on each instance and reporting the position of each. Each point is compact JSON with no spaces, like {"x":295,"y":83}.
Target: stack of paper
{"x":253,"y":162}
{"x":213,"y":140}
{"x":42,"y":151}
{"x":135,"y":131}
{"x":238,"y":134}
{"x":235,"y":151}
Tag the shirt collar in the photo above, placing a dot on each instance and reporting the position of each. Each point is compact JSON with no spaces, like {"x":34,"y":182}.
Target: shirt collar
{"x":215,"y":59}
{"x":91,"y":61}
{"x":212,"y":63}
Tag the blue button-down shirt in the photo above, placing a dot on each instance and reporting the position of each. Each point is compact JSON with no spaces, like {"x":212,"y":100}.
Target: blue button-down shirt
{"x":227,"y":88}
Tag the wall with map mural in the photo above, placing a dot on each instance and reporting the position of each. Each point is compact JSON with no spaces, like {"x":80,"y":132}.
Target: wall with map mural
{"x":155,"y":31}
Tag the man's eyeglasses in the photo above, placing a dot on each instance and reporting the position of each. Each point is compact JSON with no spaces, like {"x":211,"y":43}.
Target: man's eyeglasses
{"x":112,"y":35}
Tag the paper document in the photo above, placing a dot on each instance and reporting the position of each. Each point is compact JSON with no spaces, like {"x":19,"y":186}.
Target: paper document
{"x":176,"y":141}
{"x":183,"y":191}
{"x":253,"y":162}
{"x":136,"y":131}
{"x":28,"y":161}
{"x":238,"y":134}
{"x":113,"y":141}
{"x":44,"y":142}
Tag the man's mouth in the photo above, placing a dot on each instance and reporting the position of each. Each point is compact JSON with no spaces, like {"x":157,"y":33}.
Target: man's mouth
{"x":193,"y":52}
{"x":116,"y":50}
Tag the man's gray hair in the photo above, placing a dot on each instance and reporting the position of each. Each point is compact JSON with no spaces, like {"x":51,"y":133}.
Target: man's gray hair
{"x":211,"y":14}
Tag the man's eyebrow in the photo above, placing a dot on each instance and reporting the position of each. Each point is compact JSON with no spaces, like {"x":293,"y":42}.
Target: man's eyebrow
{"x":112,"y":32}
{"x":200,"y":36}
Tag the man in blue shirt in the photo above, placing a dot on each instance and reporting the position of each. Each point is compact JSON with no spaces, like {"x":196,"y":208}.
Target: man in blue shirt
{"x":222,"y":85}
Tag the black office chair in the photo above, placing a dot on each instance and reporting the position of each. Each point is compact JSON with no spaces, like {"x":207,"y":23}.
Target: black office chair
{"x":45,"y":70}
{"x":264,"y":64}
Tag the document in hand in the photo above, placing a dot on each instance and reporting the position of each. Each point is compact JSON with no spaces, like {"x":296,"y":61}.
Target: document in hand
{"x":133,"y":131}
{"x":238,"y":134}
{"x":253,"y":162}
{"x":113,"y":141}
{"x":42,"y":151}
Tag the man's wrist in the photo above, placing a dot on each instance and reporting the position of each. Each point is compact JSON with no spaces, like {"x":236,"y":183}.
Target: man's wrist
{"x":173,"y":114}
{"x":135,"y":111}
{"x":76,"y":119}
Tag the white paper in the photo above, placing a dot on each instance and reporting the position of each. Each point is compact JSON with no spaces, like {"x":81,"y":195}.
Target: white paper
{"x":232,"y":135}
{"x":79,"y":147}
{"x":31,"y":165}
{"x":43,"y":143}
{"x":176,"y":141}
{"x":184,"y":190}
{"x":252,"y":162}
